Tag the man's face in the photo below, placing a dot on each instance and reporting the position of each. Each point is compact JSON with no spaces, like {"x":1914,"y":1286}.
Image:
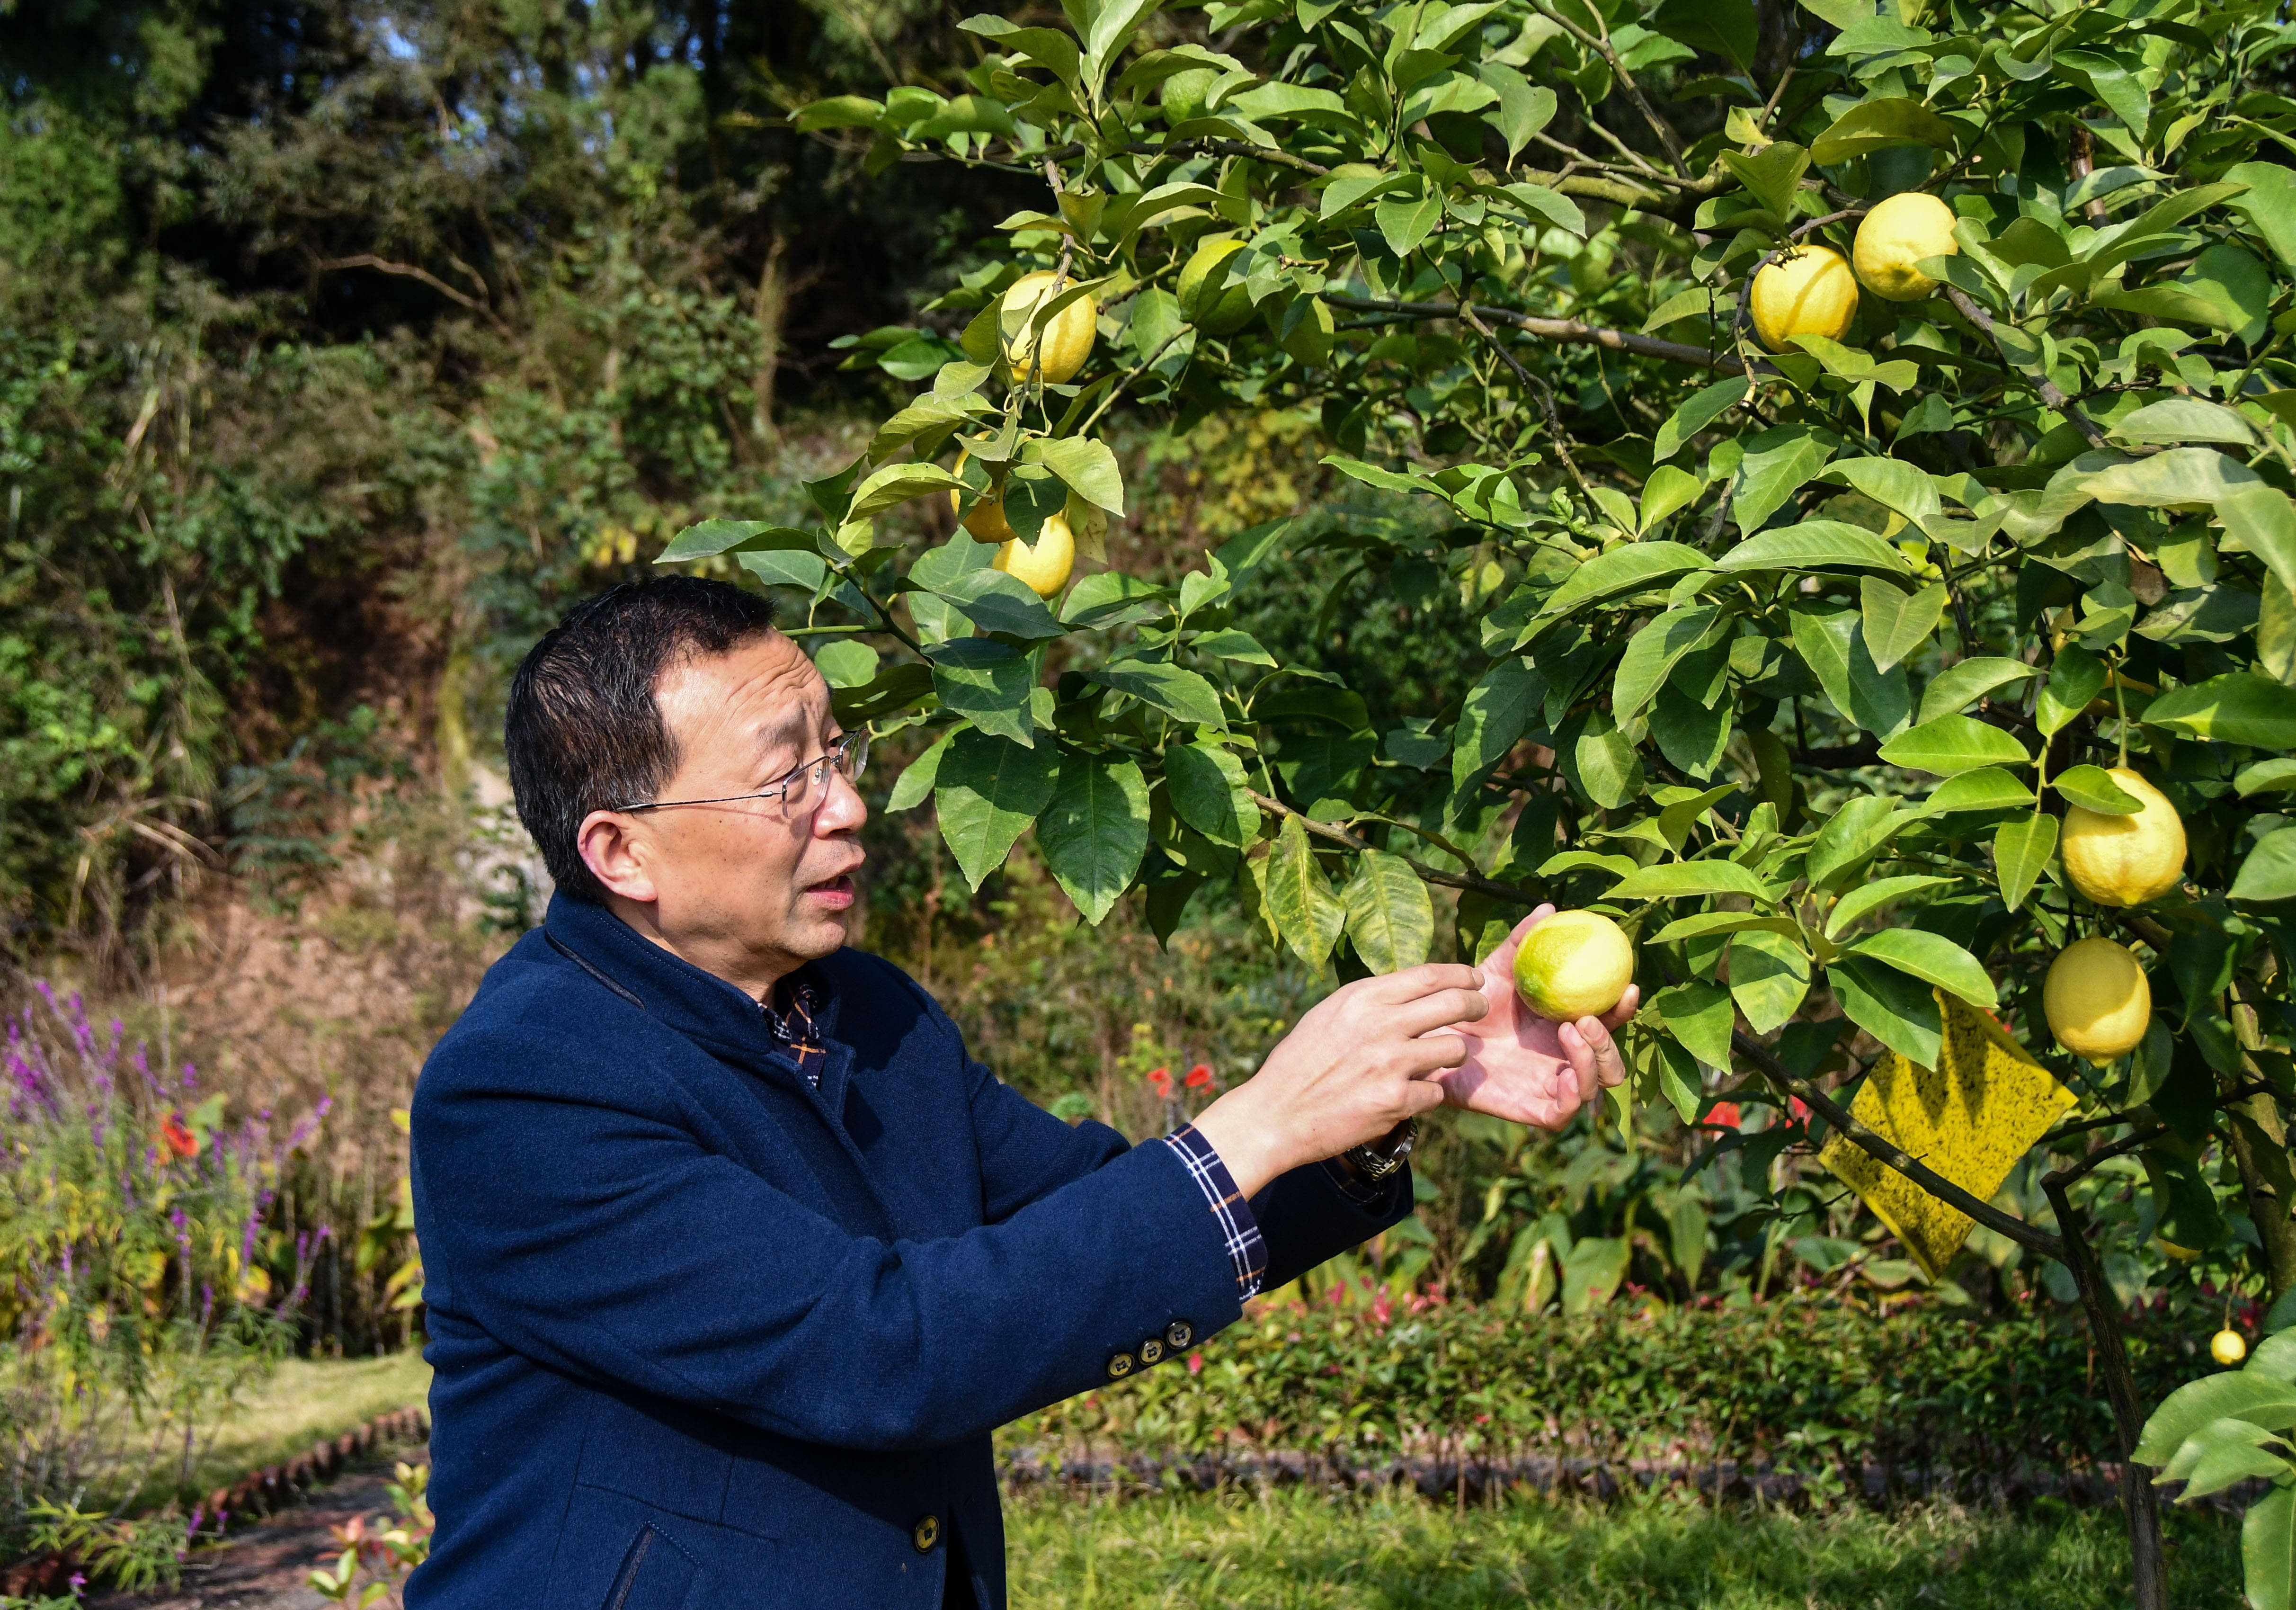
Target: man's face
{"x":759,"y":882}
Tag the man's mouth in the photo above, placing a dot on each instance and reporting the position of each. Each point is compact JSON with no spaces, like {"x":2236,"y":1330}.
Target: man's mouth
{"x":836,"y":893}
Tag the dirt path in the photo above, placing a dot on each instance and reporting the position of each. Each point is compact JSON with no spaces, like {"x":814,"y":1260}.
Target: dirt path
{"x":268,"y":1565}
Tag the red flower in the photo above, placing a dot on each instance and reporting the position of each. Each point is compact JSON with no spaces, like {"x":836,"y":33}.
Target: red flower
{"x":1195,"y":1364}
{"x":1161,"y":1078}
{"x":1799,"y":1108}
{"x":176,"y":1139}
{"x":1199,"y":1077}
{"x":1722,"y":1115}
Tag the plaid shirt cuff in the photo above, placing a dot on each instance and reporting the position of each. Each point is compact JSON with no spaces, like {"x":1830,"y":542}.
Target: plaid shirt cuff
{"x":1247,"y":1250}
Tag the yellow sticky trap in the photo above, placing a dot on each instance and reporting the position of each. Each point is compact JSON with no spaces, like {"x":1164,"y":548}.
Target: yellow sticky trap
{"x":1970,"y":1118}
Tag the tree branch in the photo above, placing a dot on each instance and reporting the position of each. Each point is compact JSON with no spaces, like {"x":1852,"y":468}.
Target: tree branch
{"x":1531,"y":382}
{"x":1473,"y":882}
{"x":1890,"y":1155}
{"x":2040,"y":382}
{"x":1567,"y":330}
{"x":367,"y":259}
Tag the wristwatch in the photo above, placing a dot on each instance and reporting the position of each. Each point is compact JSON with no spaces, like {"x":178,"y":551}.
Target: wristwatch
{"x":1378,"y":1159}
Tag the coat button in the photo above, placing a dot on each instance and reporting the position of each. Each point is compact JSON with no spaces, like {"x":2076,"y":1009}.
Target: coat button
{"x":927,"y":1533}
{"x":1179,"y":1333}
{"x":1151,"y":1350}
{"x":1119,"y":1367}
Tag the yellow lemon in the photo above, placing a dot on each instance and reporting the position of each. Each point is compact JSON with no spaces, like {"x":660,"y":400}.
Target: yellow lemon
{"x":2227,"y":1346}
{"x":2096,"y":999}
{"x":1809,"y":292}
{"x":1574,"y":965}
{"x":987,"y":521}
{"x":1898,"y":235}
{"x":1215,"y":312}
{"x":1045,"y":564}
{"x":1067,"y":333}
{"x":2125,"y":860}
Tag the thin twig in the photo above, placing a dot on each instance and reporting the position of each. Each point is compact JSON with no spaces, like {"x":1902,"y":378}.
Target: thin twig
{"x":1474,"y":882}
{"x":2039,"y":379}
{"x":1545,"y":395}
{"x":1567,"y":330}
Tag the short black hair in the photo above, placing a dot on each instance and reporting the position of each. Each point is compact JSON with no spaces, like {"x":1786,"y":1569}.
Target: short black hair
{"x":583,"y":731}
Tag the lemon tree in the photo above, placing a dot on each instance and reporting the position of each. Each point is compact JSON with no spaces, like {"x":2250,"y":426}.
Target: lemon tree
{"x":1863,"y":435}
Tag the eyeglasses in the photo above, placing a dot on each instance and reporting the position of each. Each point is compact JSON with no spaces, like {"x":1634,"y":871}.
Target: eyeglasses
{"x":846,"y":758}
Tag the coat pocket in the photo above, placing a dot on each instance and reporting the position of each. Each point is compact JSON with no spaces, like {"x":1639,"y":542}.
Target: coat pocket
{"x":655,"y":1575}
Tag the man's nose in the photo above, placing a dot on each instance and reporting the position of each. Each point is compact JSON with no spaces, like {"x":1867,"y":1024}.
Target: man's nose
{"x":843,"y":810}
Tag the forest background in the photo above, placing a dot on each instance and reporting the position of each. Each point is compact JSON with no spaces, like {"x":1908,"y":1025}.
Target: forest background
{"x":343,"y":345}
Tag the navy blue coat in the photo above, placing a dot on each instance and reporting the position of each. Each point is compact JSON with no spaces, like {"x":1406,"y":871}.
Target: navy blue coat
{"x":706,"y":1336}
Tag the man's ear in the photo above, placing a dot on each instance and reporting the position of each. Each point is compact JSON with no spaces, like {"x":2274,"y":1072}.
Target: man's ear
{"x":615,"y":849}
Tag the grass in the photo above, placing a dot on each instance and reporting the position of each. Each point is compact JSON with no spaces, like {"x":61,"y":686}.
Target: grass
{"x":1297,"y":1548}
{"x":305,"y":1401}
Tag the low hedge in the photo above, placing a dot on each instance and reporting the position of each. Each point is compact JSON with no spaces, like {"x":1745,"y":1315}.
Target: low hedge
{"x":1804,"y":1385}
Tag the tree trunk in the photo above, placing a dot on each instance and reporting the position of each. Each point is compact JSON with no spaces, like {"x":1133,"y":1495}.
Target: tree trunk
{"x":2265,"y":1204}
{"x":773,"y":309}
{"x":2140,"y":1502}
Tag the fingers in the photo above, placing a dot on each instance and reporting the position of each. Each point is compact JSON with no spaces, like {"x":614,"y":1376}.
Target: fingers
{"x":1424,"y":1095}
{"x":1436,"y":1011}
{"x":1431,"y":1053}
{"x":1594,"y":1056}
{"x":1427,"y":979}
{"x":1617,"y":1016}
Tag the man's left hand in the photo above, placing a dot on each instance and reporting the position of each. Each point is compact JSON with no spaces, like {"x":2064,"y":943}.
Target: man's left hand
{"x":1524,"y":1068}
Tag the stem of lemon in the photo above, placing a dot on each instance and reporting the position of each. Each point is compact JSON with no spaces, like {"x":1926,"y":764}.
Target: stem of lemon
{"x":2121,"y":709}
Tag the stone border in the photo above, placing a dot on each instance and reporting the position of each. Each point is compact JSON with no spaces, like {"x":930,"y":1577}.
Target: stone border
{"x":260,"y":1492}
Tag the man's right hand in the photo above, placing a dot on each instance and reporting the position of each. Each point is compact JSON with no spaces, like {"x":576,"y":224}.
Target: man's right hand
{"x":1358,"y":1064}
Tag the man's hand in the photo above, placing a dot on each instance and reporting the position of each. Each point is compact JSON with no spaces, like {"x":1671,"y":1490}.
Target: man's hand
{"x":1523,"y":1068}
{"x":1357,"y":1065}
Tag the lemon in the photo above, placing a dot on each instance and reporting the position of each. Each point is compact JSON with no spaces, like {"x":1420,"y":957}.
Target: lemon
{"x":2125,"y":860}
{"x":1045,"y":564}
{"x":1214,"y":312}
{"x":2096,"y":999}
{"x":1807,"y":292}
{"x":1898,"y":235}
{"x":1574,"y":965}
{"x":1185,"y":93}
{"x":1067,"y":333}
{"x":987,"y":521}
{"x":2227,"y":1346}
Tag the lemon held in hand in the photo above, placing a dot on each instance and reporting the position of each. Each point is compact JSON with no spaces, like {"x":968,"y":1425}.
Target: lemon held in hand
{"x":1045,"y":565}
{"x":1574,"y":965}
{"x":1809,"y":290}
{"x":2227,"y":1346}
{"x":2125,"y":860}
{"x":2096,"y":999}
{"x":1898,"y":235}
{"x":1067,"y":333}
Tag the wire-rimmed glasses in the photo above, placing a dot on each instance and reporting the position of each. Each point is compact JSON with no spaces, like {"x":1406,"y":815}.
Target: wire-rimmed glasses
{"x":846,"y":758}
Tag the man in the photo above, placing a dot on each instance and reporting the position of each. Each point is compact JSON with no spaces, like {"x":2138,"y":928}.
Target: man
{"x":733,"y":1259}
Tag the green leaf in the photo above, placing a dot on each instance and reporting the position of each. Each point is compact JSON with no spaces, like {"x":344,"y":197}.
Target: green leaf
{"x":1863,"y":825}
{"x":1407,"y":221}
{"x":1815,"y":545}
{"x":1540,"y":203}
{"x":2173,"y":420}
{"x":2262,"y":519}
{"x":1088,"y":468}
{"x":844,"y":663}
{"x":1705,"y":922}
{"x":1390,"y":917}
{"x":1868,"y":898}
{"x":897,"y":483}
{"x":1901,"y":487}
{"x":1769,"y":976}
{"x":2222,"y":1452}
{"x":1897,"y":1010}
{"x":1524,"y":108}
{"x":2177,"y":478}
{"x":1833,"y":644}
{"x":989,"y":682}
{"x":1729,"y":29}
{"x":1777,"y":463}
{"x":1934,"y":959}
{"x":2240,"y":1394}
{"x":1493,"y":716}
{"x":1991,"y":789}
{"x":996,"y":602}
{"x":2092,"y":788}
{"x":1690,"y":735}
{"x":1896,"y":621}
{"x":1877,"y":125}
{"x":711,"y":537}
{"x":1300,"y":903}
{"x":2269,"y":873}
{"x":1603,"y":763}
{"x":2268,"y":1550}
{"x":2022,"y":849}
{"x":838,"y":111}
{"x":988,"y":790}
{"x":1652,"y":653}
{"x":1951,"y":745}
{"x":1960,"y":685}
{"x":1702,"y":1017}
{"x":1772,"y":175}
{"x":2238,"y":707}
{"x":1701,"y":409}
{"x":1679,"y":880}
{"x":2076,"y":677}
{"x":1209,"y":791}
{"x":2265,"y":776}
{"x":1096,"y":831}
{"x":916,"y":783}
{"x":1631,"y":567}
{"x":1180,"y":694}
